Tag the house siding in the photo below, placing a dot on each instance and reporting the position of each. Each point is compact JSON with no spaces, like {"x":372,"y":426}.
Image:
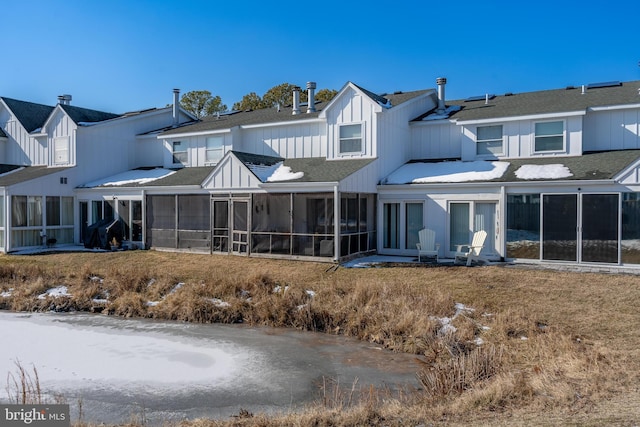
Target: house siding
{"x":352,"y":108}
{"x":289,"y":141}
{"x":612,"y":130}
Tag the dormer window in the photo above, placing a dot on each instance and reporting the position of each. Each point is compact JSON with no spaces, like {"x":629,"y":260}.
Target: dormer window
{"x":489,"y":140}
{"x":351,"y":139}
{"x":549,"y":136}
{"x":180,"y":154}
{"x":61,"y":150}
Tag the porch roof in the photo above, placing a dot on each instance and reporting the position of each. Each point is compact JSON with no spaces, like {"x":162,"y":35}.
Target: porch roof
{"x":589,"y":166}
{"x":319,"y":169}
{"x":153,"y":177}
{"x":12,"y":174}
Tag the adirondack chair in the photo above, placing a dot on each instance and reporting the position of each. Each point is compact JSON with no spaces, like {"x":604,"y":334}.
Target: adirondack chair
{"x":427,"y":246}
{"x":472,"y":251}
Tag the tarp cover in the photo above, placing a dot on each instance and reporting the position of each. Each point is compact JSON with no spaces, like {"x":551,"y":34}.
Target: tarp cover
{"x":101,"y":234}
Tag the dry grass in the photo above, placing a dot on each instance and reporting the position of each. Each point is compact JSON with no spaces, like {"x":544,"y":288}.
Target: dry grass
{"x":554,"y":345}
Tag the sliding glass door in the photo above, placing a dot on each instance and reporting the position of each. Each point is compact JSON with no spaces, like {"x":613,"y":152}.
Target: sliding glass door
{"x":465,"y":218}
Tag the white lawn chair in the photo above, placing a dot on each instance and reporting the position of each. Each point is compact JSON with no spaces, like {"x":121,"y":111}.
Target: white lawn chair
{"x":427,"y":246}
{"x":472,"y":251}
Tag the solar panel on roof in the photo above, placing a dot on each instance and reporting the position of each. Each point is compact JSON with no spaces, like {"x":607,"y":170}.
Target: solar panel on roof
{"x":480,"y":97}
{"x":603,"y":84}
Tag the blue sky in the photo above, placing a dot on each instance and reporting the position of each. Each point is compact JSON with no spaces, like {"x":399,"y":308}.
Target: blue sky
{"x":121,"y":56}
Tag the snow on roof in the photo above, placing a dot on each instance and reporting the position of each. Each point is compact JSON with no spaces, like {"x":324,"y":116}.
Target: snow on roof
{"x":136,"y":176}
{"x":274,"y":173}
{"x":553,"y":171}
{"x":454,"y":171}
{"x":284,"y":173}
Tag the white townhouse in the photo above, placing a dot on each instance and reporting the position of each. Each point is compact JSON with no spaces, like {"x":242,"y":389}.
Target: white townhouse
{"x":48,"y":151}
{"x":550,"y":175}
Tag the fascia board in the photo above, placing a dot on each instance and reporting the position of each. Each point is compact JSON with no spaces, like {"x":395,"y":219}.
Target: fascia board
{"x":198,"y":133}
{"x":299,"y":186}
{"x":422,"y":187}
{"x":525,"y":117}
{"x":286,"y":123}
{"x":614,"y":107}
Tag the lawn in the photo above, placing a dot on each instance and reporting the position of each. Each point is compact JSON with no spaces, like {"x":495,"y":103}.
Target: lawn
{"x":497,"y":345}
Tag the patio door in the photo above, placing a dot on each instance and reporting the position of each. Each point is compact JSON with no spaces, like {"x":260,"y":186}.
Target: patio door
{"x":580,"y":227}
{"x":465,"y":218}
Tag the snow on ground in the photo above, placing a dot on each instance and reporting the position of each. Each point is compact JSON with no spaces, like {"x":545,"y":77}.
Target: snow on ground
{"x":78,"y":357}
{"x":137,"y":176}
{"x":554,"y":171}
{"x":58,"y":291}
{"x":454,"y":171}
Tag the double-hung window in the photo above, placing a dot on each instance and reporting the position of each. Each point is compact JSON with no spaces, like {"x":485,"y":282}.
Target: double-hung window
{"x":489,"y":140}
{"x":215,"y":149}
{"x":180,"y":154}
{"x":351,"y":139}
{"x":549,"y":136}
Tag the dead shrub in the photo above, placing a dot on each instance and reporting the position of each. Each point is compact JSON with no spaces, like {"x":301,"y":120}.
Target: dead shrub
{"x":128,"y":304}
{"x":461,"y":373}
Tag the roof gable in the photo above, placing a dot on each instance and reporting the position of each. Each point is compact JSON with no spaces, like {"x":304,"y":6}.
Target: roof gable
{"x":85,"y":115}
{"x":32,"y":116}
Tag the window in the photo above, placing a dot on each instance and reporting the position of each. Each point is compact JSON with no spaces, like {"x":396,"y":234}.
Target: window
{"x":414,"y":221}
{"x":215,"y":149}
{"x":351,"y":139}
{"x":61,"y":150}
{"x":180,"y":154}
{"x":549,"y":136}
{"x":391,"y":225}
{"x":489,"y":140}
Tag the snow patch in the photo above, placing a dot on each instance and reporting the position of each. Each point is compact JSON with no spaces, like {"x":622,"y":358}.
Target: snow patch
{"x":132,"y":177}
{"x":455,"y":171}
{"x":554,"y":171}
{"x":59,"y":291}
{"x":284,"y":173}
{"x":311,"y":293}
{"x":440,"y":116}
{"x":218,"y":302}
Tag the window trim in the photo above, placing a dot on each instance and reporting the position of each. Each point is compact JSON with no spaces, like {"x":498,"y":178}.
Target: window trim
{"x":361,"y":138}
{"x":484,"y":141}
{"x":564,"y":137}
{"x":185,"y":151}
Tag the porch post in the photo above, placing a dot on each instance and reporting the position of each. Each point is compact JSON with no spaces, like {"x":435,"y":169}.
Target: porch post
{"x":336,"y":223}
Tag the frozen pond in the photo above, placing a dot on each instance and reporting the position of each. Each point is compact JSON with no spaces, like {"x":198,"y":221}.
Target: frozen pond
{"x":168,"y":371}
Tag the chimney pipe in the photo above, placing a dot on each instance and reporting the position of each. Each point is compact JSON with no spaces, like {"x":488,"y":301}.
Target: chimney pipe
{"x":64,"y":99}
{"x":296,"y":100}
{"x":441,"y":81}
{"x":311,"y":86}
{"x":176,"y":107}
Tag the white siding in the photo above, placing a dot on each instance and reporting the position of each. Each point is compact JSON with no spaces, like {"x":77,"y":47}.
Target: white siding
{"x":436,"y":141}
{"x":352,"y":108}
{"x":20,"y":148}
{"x":612,"y":130}
{"x":363,"y":181}
{"x":59,"y":126}
{"x":290,"y":141}
{"x":231,"y":174}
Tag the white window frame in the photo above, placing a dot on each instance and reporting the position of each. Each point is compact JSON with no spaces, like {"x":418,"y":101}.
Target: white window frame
{"x":350,"y":139}
{"x":61,"y":150}
{"x":563,"y":135}
{"x":184,"y":152}
{"x":214,"y":154}
{"x":490,"y":140}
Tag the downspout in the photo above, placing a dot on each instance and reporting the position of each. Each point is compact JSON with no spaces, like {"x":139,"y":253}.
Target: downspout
{"x":144,"y":219}
{"x":336,"y":223}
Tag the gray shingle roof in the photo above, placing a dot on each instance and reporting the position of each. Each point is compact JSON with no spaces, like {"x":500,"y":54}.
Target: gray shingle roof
{"x":319,"y":169}
{"x":272,"y":115}
{"x":602,"y":165}
{"x":184,"y":176}
{"x":589,"y":166}
{"x":546,"y":101}
{"x":31,"y":115}
{"x":27,"y":173}
{"x":85,"y":115}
